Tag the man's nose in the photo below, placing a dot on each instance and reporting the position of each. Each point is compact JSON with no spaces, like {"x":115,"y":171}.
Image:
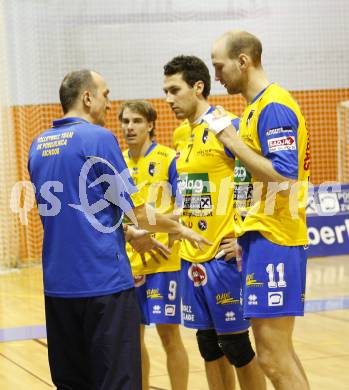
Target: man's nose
{"x":169,"y":98}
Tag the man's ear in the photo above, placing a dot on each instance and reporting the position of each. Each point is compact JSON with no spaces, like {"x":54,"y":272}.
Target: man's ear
{"x":244,"y":61}
{"x":86,"y":98}
{"x":199,"y":87}
{"x":151,"y":126}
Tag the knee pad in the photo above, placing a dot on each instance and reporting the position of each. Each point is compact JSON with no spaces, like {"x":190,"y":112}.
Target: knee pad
{"x":237,"y":348}
{"x":208,"y":345}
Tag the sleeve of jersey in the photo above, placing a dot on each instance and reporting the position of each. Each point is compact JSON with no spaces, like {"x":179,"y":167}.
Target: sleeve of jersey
{"x":121,"y":190}
{"x":173,"y":176}
{"x":277,"y":130}
{"x":236,"y":123}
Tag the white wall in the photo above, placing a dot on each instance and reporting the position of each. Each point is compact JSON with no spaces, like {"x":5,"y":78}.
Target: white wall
{"x":128,"y":41}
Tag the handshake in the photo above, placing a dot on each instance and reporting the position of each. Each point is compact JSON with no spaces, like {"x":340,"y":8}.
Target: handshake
{"x":217,"y":120}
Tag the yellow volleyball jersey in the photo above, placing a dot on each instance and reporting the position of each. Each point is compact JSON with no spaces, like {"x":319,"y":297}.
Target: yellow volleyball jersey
{"x":206,"y":180}
{"x":273,"y":126}
{"x":155,"y":176}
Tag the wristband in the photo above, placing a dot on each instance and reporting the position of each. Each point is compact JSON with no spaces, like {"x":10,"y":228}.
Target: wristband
{"x":216,"y":125}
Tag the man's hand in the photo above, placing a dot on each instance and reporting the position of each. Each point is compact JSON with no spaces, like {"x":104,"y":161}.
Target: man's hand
{"x":228,"y":249}
{"x":218,"y":120}
{"x":196,"y":240}
{"x":143,"y":243}
{"x":172,"y":237}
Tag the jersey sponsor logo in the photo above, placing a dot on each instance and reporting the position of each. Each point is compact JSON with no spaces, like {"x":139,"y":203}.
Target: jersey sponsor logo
{"x":282,"y":143}
{"x":151,"y":169}
{"x":252,"y":282}
{"x":202,"y":225}
{"x":230,"y":316}
{"x":205,"y":153}
{"x":252,"y":300}
{"x":205,"y":136}
{"x":243,"y":195}
{"x":139,"y":280}
{"x":195,"y":189}
{"x":187,"y":309}
{"x":153,"y":293}
{"x":275,"y":298}
{"x":170,"y":310}
{"x":163,"y":154}
{"x":194,"y":183}
{"x":197,"y":213}
{"x":226,"y":299}
{"x":187,"y":313}
{"x":279,"y":130}
{"x":306,"y":163}
{"x":197,"y":202}
{"x":197,"y":273}
{"x":250,"y":115}
{"x":156,"y":309}
{"x":243,"y":191}
{"x":240,"y":173}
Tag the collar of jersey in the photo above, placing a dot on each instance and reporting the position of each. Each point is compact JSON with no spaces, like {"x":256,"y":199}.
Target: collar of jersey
{"x":200,"y":119}
{"x":151,"y":147}
{"x":68,"y":121}
{"x":261,"y":93}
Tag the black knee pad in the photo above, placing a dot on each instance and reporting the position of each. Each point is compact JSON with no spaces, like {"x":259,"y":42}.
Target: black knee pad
{"x":208,"y":345}
{"x":237,"y":348}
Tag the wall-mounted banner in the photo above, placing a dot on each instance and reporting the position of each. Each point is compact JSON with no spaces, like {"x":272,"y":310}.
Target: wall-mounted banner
{"x":328,"y":220}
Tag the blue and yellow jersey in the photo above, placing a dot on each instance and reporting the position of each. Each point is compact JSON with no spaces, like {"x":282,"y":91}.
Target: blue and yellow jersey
{"x":274,"y":127}
{"x":206,"y":171}
{"x":155,"y":176}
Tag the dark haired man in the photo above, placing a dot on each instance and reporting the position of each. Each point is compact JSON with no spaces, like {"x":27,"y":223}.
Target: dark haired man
{"x":210,"y":280}
{"x":83,"y":189}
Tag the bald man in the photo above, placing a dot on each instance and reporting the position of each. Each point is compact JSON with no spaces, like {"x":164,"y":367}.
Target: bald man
{"x":271,"y":175}
{"x":92,"y":315}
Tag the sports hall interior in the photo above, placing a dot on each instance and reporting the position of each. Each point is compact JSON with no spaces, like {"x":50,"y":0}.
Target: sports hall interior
{"x":305,"y":50}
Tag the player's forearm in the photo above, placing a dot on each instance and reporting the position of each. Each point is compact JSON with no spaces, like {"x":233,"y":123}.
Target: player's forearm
{"x":152,"y":221}
{"x":259,"y":166}
{"x":132,"y":233}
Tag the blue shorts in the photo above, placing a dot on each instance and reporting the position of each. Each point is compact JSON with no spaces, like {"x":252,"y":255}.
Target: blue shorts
{"x":211,"y":296}
{"x":274,"y":277}
{"x":159,"y":297}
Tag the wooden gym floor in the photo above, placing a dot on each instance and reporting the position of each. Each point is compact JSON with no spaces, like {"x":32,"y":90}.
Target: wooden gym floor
{"x":321,"y":337}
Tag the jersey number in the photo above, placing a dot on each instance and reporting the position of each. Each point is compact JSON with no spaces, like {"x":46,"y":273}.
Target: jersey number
{"x":172,"y":288}
{"x":281,"y":271}
{"x":190,"y":147}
